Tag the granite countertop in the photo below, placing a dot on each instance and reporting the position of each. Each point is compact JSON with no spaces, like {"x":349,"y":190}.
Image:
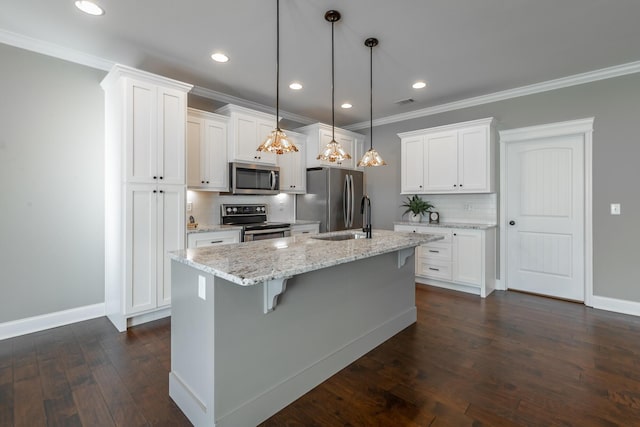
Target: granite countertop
{"x":251,"y":263}
{"x":468,"y":226}
{"x":203,"y":228}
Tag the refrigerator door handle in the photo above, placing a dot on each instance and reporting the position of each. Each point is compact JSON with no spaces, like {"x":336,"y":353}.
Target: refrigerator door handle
{"x":353,"y":201}
{"x":345,"y":201}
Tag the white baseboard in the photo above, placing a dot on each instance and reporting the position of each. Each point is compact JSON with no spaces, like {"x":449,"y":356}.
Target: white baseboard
{"x":50,"y":320}
{"x":616,"y":305}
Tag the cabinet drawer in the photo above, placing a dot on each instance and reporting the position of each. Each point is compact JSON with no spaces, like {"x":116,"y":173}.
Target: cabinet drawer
{"x":435,"y":251}
{"x":434,"y":268}
{"x":202,"y":240}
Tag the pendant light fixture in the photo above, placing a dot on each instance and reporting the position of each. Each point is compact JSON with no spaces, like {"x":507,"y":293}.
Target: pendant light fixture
{"x":333,"y":152}
{"x":277,"y":142}
{"x":371,"y":157}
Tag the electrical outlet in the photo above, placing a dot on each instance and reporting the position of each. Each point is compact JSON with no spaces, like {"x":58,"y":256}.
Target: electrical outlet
{"x":189,"y":206}
{"x":615,"y":208}
{"x":202,"y":287}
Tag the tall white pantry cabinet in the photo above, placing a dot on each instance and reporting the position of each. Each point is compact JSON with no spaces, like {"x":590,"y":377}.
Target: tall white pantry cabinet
{"x":145,"y":184}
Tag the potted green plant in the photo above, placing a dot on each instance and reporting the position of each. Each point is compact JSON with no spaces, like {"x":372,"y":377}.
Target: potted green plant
{"x":417,"y":207}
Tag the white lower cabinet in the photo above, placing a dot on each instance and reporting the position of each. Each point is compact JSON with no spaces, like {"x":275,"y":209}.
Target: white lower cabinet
{"x":212,"y":238}
{"x":305,"y":229}
{"x":463,"y":260}
{"x":155,"y":219}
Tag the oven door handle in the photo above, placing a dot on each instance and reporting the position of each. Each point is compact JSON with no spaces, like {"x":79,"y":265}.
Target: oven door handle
{"x":267,"y":231}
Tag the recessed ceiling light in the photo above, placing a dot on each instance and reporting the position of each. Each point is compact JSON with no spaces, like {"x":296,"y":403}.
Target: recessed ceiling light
{"x":295,"y":86}
{"x":419,"y":85}
{"x":89,"y":7}
{"x":346,"y":105}
{"x":219,"y":57}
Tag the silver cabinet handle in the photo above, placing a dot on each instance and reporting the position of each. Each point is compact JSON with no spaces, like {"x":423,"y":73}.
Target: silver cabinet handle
{"x":216,"y":241}
{"x":434,"y":269}
{"x":435,"y":252}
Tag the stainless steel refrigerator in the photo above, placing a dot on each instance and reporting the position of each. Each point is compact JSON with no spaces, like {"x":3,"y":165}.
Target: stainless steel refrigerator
{"x":333,"y":198}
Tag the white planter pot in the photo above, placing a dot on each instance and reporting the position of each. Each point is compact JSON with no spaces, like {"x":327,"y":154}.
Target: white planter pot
{"x":415,"y":218}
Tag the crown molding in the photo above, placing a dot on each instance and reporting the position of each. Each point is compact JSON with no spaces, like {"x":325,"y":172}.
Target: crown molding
{"x":54,"y":50}
{"x":576,"y":79}
{"x":230,"y":99}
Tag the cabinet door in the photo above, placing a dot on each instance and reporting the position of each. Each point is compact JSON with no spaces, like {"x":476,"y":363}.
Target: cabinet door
{"x":468,"y":256}
{"x":195,"y":147}
{"x":441,"y":162}
{"x":349,"y":145}
{"x":293,"y":176}
{"x":141,"y":149}
{"x":141,"y":248}
{"x":265,"y":127}
{"x":473,"y":159}
{"x":171,"y":108}
{"x":250,"y":132}
{"x":214,"y":156}
{"x":170,"y":232}
{"x":412,"y":178}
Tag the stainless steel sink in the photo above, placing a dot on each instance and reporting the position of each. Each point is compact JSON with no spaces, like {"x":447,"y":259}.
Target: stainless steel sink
{"x":337,"y":237}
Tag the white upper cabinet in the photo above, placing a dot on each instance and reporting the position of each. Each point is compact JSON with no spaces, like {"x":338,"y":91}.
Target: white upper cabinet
{"x":320,"y":134}
{"x":247,"y":130}
{"x":154,"y":132}
{"x":293,"y":170}
{"x":207,"y":162}
{"x":456,"y":158}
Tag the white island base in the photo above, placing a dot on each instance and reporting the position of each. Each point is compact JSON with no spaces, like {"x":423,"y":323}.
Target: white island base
{"x":234,"y":365}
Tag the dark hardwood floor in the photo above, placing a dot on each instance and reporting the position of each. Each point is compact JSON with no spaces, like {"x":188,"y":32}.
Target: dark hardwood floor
{"x":510,"y":360}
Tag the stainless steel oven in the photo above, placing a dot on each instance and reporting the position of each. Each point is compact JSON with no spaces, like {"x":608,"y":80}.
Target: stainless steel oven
{"x":253,"y":219}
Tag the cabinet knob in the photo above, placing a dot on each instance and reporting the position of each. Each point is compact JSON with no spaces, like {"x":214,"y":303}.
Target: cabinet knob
{"x":161,"y":191}
{"x":161,"y":177}
{"x":201,"y":182}
{"x":460,"y":185}
{"x":512,"y":222}
{"x":455,"y":185}
{"x":207,"y":182}
{"x":421,"y":186}
{"x":455,"y":234}
{"x":154,"y":191}
{"x":155,"y":177}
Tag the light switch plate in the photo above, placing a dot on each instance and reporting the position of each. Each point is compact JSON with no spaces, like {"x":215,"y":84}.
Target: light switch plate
{"x":615,"y":208}
{"x":202,"y":287}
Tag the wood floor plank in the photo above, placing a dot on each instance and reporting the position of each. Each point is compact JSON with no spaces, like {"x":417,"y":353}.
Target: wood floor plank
{"x":121,"y":405}
{"x":28,"y":406}
{"x":92,"y":408}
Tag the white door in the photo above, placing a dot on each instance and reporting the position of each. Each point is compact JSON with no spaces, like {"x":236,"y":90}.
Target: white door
{"x":545,"y":216}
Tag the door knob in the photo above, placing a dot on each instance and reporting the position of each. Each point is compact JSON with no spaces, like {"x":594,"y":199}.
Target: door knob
{"x":512,"y":222}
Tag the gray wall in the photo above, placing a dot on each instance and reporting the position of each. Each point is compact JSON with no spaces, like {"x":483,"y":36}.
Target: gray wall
{"x":615,"y":104}
{"x":51,"y":185}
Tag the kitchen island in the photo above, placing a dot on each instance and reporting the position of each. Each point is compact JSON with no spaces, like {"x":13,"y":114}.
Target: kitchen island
{"x":256,"y":325}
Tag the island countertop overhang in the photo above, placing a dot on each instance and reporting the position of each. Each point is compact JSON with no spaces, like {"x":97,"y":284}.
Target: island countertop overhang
{"x":252,"y":263}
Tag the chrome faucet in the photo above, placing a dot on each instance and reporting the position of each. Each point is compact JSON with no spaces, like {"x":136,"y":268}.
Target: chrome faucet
{"x":365,"y":210}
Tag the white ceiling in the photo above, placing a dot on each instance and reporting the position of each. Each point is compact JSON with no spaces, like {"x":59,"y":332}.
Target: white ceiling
{"x":463,"y":48}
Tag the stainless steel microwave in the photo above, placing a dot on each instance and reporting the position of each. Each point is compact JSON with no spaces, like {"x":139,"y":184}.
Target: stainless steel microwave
{"x":247,"y":178}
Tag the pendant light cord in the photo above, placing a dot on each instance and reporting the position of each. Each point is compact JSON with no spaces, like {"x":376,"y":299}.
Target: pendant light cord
{"x":333,"y":114}
{"x":277,"y":63}
{"x":371,"y":100}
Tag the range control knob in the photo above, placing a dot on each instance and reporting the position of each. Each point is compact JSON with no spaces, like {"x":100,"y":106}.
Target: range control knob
{"x":235,"y":209}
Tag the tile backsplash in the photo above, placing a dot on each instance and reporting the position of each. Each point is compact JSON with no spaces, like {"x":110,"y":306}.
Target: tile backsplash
{"x":205,"y":205}
{"x":465,"y":208}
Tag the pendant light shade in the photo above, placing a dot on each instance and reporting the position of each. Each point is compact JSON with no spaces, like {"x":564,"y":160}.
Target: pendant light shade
{"x":371,"y":157}
{"x":277,"y":142}
{"x":333,"y":152}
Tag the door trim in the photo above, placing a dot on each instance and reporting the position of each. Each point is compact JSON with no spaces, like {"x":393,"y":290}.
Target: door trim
{"x":582,"y":127}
